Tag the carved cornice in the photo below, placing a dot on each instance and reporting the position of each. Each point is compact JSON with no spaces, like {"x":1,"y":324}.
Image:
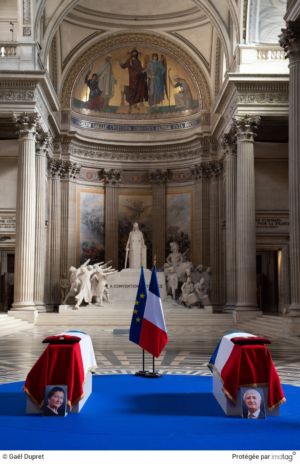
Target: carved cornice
{"x":289,"y":40}
{"x":135,"y":40}
{"x":158,"y":176}
{"x":246,"y":127}
{"x":163,"y":153}
{"x":110,"y":176}
{"x":261,"y":93}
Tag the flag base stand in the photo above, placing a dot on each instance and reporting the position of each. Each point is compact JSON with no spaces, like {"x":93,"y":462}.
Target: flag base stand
{"x":148,"y":374}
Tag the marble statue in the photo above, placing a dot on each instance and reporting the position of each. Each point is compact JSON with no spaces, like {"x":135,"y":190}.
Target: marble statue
{"x":172,"y":282}
{"x":84,"y":286}
{"x":74,"y":282}
{"x":136,"y":250}
{"x":201,"y":290}
{"x":100,"y":283}
{"x":188,"y":295}
{"x":176,"y":260}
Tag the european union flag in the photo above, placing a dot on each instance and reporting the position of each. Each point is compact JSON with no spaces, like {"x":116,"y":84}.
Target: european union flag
{"x":138,"y":310}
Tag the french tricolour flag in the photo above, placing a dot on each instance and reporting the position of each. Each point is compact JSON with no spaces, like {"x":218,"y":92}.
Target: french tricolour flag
{"x":221,"y":357}
{"x":148,"y":328}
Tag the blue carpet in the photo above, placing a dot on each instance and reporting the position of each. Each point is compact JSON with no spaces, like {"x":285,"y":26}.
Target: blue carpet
{"x":131,"y":413}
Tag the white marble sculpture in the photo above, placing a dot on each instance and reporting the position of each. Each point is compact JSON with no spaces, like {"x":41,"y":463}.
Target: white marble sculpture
{"x":100,"y":284}
{"x":188,"y":294}
{"x":84,"y":286}
{"x":136,"y":250}
{"x":177,"y":262}
{"x":74,"y":282}
{"x":172,"y":282}
{"x":88,"y":282}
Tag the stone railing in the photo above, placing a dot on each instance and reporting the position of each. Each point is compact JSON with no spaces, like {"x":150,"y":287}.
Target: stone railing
{"x":270,"y":53}
{"x":7,"y":50}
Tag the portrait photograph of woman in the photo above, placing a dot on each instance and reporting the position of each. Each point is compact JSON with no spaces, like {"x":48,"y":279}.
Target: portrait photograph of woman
{"x":55,"y":402}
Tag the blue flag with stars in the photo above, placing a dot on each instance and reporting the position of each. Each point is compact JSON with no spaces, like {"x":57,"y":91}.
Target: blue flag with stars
{"x":138,"y":310}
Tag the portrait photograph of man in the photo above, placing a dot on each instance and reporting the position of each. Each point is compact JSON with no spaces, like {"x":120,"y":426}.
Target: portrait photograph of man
{"x":253,"y":405}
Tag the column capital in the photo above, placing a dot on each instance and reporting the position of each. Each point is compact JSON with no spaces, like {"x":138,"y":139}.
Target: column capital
{"x":289,"y":40}
{"x":207,"y":169}
{"x":43,"y":141}
{"x":54,"y":167}
{"x":158,"y":176}
{"x":229,"y":141}
{"x":27,"y":123}
{"x":110,"y":176}
{"x":69,"y":170}
{"x":246,"y":127}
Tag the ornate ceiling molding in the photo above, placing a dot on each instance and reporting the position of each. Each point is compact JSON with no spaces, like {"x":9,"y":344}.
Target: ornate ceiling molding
{"x":134,"y":40}
{"x":89,"y":153}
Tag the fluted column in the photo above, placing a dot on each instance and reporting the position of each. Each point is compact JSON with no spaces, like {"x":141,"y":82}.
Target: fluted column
{"x":69,"y":172}
{"x":158,"y":180}
{"x":230,"y":162}
{"x":111,"y":179}
{"x":290,"y":41}
{"x":26,"y":207}
{"x":215,"y":231}
{"x":54,"y":166}
{"x":40,"y":227}
{"x":246,"y":228}
{"x":206,"y":219}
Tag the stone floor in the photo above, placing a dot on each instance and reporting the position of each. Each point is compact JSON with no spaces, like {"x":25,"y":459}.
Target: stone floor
{"x":115,"y":354}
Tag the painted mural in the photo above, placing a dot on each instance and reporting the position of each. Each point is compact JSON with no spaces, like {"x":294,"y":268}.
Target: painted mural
{"x":91,"y":225}
{"x":137,"y":81}
{"x":135,"y":207}
{"x":179,"y":210}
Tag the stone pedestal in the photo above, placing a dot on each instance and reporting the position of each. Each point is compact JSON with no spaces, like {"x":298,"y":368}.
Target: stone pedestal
{"x":26,"y":210}
{"x":123,"y":285}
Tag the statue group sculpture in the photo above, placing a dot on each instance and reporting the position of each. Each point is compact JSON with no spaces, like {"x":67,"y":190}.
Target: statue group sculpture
{"x":187,"y":284}
{"x":89,"y":283}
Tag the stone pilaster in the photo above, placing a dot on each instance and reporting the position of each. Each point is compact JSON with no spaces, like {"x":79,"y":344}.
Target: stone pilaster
{"x":40,"y":224}
{"x":158,"y":179}
{"x":290,"y":41}
{"x":230,"y":162}
{"x":215,"y":232}
{"x":201,"y":235}
{"x":69,"y":173}
{"x":26,"y":208}
{"x":111,"y":179}
{"x":246,"y":228}
{"x":55,"y":171}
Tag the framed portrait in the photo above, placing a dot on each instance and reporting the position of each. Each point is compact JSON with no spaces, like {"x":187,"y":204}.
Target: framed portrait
{"x":55,"y":400}
{"x":252,"y":403}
